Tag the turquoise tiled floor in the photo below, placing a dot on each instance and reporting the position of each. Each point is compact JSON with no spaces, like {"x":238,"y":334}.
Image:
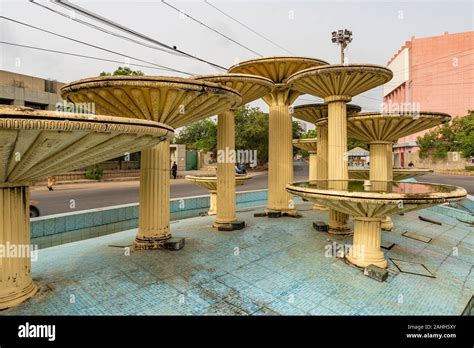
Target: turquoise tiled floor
{"x":275,"y":266}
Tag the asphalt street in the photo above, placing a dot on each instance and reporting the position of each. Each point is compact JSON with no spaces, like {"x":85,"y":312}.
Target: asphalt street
{"x":74,"y":197}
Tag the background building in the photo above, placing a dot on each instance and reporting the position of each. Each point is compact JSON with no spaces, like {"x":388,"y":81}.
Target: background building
{"x":24,"y":90}
{"x":431,"y":74}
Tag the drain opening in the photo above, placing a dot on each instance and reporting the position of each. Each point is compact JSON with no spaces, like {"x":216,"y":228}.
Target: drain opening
{"x":413,"y":268}
{"x":416,"y":236}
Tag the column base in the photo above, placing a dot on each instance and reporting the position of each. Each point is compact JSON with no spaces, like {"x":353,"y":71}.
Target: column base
{"x":377,"y":261}
{"x":365,"y":249}
{"x":150,"y":243}
{"x":229,"y":226}
{"x":340,"y":230}
{"x":338,"y":223}
{"x":17,"y":297}
{"x":387,"y":224}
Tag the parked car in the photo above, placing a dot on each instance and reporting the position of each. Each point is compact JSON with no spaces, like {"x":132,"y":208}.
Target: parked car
{"x":34,"y":210}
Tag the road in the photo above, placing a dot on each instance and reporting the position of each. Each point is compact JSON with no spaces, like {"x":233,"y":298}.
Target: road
{"x":97,"y":195}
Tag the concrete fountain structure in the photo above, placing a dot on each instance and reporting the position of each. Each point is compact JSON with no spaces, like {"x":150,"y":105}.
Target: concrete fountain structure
{"x":369,"y":204}
{"x":310,"y":145}
{"x":312,"y":113}
{"x":35,"y":144}
{"x":250,"y":88}
{"x":381,"y":131}
{"x":280,"y":154}
{"x":173,"y":101}
{"x":337,"y":84}
{"x":370,"y":201}
{"x":211,"y":183}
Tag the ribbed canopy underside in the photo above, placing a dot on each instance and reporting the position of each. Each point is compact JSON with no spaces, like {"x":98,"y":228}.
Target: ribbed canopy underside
{"x":370,"y":127}
{"x":173,"y":101}
{"x":312,"y":113}
{"x":335,"y":80}
{"x":249,"y":87}
{"x":35,"y":144}
{"x":309,"y":144}
{"x":276,"y":69}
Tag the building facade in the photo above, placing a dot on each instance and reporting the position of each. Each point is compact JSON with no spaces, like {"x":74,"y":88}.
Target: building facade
{"x":30,"y":91}
{"x":430,"y":74}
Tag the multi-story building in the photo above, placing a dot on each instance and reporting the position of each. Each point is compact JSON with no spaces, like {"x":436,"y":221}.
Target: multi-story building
{"x":34,"y":92}
{"x":430,"y":74}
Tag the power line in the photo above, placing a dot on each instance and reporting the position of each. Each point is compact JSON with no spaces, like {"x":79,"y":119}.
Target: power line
{"x":247,"y":27}
{"x":210,"y":28}
{"x":94,"y":46}
{"x":77,"y":55}
{"x":123,"y":28}
{"x":105,"y":30}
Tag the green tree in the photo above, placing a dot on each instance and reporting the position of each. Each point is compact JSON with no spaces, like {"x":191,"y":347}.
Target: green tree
{"x":200,"y":135}
{"x":457,"y":135}
{"x":123,"y":71}
{"x":251,"y":131}
{"x":353,"y":143}
{"x":312,"y":133}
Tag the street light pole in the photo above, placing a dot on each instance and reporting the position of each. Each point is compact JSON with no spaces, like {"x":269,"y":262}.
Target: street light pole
{"x":342,"y":37}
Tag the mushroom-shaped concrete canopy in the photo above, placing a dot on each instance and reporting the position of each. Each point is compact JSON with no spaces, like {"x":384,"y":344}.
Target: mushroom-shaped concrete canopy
{"x":173,"y":101}
{"x":209,"y":181}
{"x":359,"y":200}
{"x":34,"y":144}
{"x":250,"y":87}
{"x":373,"y":126}
{"x":312,"y":113}
{"x":339,"y":80}
{"x":277,"y":69}
{"x":368,"y":204}
{"x":308,"y":144}
{"x":49,"y":142}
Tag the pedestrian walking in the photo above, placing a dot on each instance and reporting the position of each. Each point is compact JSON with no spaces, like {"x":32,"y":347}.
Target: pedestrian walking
{"x":174,"y":170}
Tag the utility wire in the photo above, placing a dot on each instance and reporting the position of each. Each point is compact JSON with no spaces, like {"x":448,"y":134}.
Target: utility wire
{"x":210,"y":28}
{"x":77,"y":55}
{"x":107,"y":31}
{"x":123,"y":28}
{"x":247,"y":27}
{"x":94,"y":46}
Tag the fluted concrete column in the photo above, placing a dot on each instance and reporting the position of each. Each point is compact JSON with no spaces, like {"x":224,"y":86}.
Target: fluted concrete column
{"x":381,"y":161}
{"x":212,"y":203}
{"x":154,"y":209}
{"x":337,"y":156}
{"x":312,"y":165}
{"x":280,"y":158}
{"x":366,"y":243}
{"x":321,"y":159}
{"x":16,"y":284}
{"x":322,"y":154}
{"x":381,"y":170}
{"x":226,"y":199}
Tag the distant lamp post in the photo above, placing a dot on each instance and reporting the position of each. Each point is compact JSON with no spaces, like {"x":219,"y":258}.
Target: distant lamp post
{"x":342,"y":37}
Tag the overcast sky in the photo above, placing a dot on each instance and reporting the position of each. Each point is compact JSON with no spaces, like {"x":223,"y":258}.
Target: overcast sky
{"x":379,"y":28}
